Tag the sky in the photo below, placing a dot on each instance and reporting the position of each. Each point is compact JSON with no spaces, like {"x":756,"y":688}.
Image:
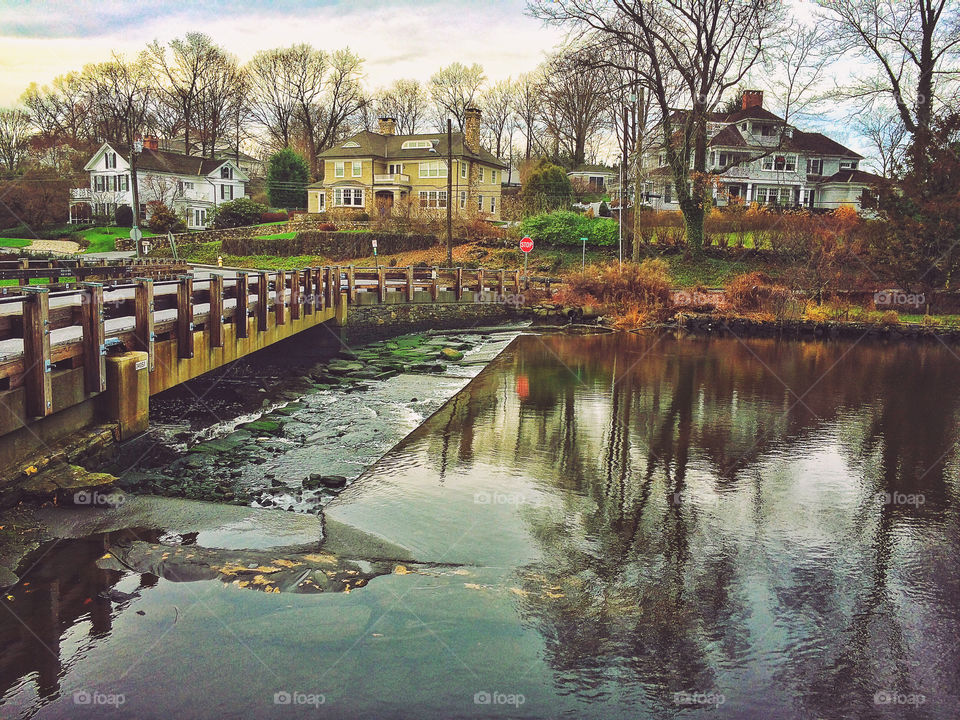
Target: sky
{"x":397,"y":38}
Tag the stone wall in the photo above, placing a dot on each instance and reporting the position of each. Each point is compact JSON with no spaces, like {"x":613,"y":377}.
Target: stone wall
{"x":248,"y":231}
{"x":366,"y":323}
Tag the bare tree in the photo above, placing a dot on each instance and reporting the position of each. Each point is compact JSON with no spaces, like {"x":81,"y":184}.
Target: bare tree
{"x":341,"y":103}
{"x":61,"y":110}
{"x":220,"y":100}
{"x":574,"y":100}
{"x":15,"y":132}
{"x":887,"y":137}
{"x":528,"y":109}
{"x":796,"y":63}
{"x":121,"y":97}
{"x":453,"y":89}
{"x":161,"y":188}
{"x":406,"y":101}
{"x":912,"y":47}
{"x":272,"y":97}
{"x":498,"y":110}
{"x":701,"y":47}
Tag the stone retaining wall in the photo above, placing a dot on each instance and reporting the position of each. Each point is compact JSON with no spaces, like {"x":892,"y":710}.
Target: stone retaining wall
{"x":366,"y":323}
{"x":248,"y":231}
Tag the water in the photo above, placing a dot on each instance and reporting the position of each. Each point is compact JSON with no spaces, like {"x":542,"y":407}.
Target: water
{"x":614,"y":526}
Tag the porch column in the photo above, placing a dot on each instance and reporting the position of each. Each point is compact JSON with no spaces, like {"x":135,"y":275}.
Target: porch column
{"x":749,"y":195}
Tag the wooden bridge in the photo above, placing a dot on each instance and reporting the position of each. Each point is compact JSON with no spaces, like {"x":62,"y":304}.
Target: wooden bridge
{"x":70,"y":357}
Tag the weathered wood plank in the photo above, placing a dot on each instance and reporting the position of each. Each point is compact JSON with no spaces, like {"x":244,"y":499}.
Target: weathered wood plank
{"x":242,"y":311}
{"x":280,"y":304}
{"x":295,"y":308}
{"x":94,"y":339}
{"x":263,"y":283}
{"x":215,"y":321}
{"x":185,"y":343}
{"x":36,"y":351}
{"x":143,"y":318}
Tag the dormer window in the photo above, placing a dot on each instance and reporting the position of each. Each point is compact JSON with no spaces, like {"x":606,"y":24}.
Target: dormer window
{"x":110,"y":160}
{"x":848,"y":164}
{"x":226,"y":173}
{"x":351,"y":144}
{"x":416,"y":144}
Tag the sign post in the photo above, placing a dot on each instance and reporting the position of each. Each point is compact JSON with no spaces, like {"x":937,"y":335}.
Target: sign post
{"x":375,"y":260}
{"x":136,"y":235}
{"x":526,"y":245}
{"x":583,"y":260}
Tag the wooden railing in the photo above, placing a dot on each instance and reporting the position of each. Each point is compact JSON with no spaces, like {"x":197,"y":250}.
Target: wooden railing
{"x":53,"y":272}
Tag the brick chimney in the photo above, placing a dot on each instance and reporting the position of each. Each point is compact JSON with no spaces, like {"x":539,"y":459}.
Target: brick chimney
{"x":388,"y":126}
{"x":151,"y":142}
{"x":752,"y":99}
{"x":471,"y":129}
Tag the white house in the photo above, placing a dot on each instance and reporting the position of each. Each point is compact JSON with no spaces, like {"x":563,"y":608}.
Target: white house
{"x":774,"y":163}
{"x":190,"y":185}
{"x":597,"y":178}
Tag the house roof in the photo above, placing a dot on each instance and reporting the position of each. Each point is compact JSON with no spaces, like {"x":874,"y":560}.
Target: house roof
{"x":170,"y":162}
{"x":819,"y":143}
{"x":177,"y":145}
{"x":856,"y":177}
{"x":728,"y":137}
{"x":389,"y":147}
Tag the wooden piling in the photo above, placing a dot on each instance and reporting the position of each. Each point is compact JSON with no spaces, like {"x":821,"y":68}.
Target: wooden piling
{"x":242,"y":312}
{"x":215,"y":317}
{"x":143,"y":319}
{"x":94,"y":339}
{"x":36,"y":351}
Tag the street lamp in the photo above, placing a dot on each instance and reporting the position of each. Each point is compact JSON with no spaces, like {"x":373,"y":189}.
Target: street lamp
{"x":135,"y":233}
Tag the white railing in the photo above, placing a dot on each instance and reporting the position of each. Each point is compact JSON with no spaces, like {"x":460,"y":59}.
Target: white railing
{"x":81,"y":193}
{"x":395,"y":179}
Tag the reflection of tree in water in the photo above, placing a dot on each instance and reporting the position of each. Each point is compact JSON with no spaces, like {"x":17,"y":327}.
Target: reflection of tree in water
{"x":632,"y":578}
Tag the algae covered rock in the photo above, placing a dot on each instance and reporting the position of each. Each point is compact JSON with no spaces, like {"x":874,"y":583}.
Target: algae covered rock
{"x":451,"y":354}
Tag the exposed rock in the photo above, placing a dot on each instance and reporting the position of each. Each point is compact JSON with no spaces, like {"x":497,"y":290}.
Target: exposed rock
{"x":7,"y":577}
{"x":269,"y":427}
{"x":333,"y":481}
{"x":451,"y":354}
{"x":342,"y":367}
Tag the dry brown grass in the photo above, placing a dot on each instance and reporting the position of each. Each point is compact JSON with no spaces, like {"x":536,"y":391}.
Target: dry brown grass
{"x":645,"y":285}
{"x":757,"y":292}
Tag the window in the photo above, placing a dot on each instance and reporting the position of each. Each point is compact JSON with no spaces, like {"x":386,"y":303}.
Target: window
{"x":226,"y":173}
{"x":338,"y":169}
{"x":493,"y":176}
{"x":348,"y":197}
{"x":414,"y":144}
{"x":433,"y":169}
{"x":814,"y":166}
{"x":774,"y":195}
{"x":848,"y":164}
{"x":433,"y":198}
{"x":667,"y":193}
{"x":786,"y":163}
{"x":463,"y":168}
{"x":143,"y":210}
{"x":767,"y":162}
{"x":661,"y":159}
{"x":480,"y":203}
{"x":357,"y":168}
{"x":321,"y":202}
{"x":463,"y":199}
{"x":188,"y":185}
{"x":768,"y":130}
{"x":493,"y":204}
{"x":351,"y":144}
{"x":110,"y":160}
{"x":481,"y":173}
{"x":199,"y":217}
{"x":99,"y":183}
{"x":395,"y":168}
{"x":745,"y":126}
{"x":226,"y":192}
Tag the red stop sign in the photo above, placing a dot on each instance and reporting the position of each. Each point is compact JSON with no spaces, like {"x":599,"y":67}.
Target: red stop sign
{"x":526,"y":244}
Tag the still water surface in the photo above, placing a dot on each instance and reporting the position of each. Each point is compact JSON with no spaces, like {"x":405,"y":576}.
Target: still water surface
{"x":614,"y":526}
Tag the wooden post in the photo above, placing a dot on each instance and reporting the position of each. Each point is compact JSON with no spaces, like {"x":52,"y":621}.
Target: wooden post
{"x":320,"y":278}
{"x":242,"y":312}
{"x":410,"y":283}
{"x":479,"y":297}
{"x":351,"y":286}
{"x":459,"y":287}
{"x":36,"y":351}
{"x":502,"y":289}
{"x":94,"y":339}
{"x":295,"y":295}
{"x":25,"y":266}
{"x":215,"y":318}
{"x":262,"y":301}
{"x":280,"y":304}
{"x":434,"y":285}
{"x":143,"y":315}
{"x":332,"y":292}
{"x":381,"y":285}
{"x":185,"y":317}
{"x":309,"y":291}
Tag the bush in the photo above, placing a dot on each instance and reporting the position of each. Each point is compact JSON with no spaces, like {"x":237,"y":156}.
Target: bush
{"x":546,"y":187}
{"x":269,"y":217}
{"x":237,"y":213}
{"x":326,"y":227}
{"x":163,"y":219}
{"x":564,"y":227}
{"x":604,"y":210}
{"x":757,"y":292}
{"x":287,"y":178}
{"x":124,"y":216}
{"x":646,"y":284}
{"x":334,"y":245}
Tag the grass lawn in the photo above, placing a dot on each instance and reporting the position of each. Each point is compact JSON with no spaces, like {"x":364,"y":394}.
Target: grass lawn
{"x":278,"y":236}
{"x":103,"y":239}
{"x":14,"y":242}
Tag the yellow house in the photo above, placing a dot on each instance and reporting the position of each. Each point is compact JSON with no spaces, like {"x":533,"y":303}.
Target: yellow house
{"x":373,"y":171}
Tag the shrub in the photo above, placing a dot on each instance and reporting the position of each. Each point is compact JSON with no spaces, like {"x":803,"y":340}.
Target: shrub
{"x":326,"y":227}
{"x":287,"y":178}
{"x":546,"y":187}
{"x":334,"y":245}
{"x":890,"y":317}
{"x":163,"y":219}
{"x":604,"y":210}
{"x":816,"y":313}
{"x":563,"y":227}
{"x":646,"y":284}
{"x":757,"y":292}
{"x":124,"y":216}
{"x":237,"y":213}
{"x":269,"y":217}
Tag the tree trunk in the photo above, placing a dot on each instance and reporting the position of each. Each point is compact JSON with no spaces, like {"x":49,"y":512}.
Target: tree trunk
{"x":693,"y":223}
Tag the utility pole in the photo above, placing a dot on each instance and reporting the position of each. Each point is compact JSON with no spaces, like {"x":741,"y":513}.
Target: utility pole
{"x":135,"y":233}
{"x":449,"y":193}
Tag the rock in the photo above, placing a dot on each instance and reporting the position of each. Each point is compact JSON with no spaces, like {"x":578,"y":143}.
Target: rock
{"x":276,"y":483}
{"x":312,"y":482}
{"x":342,"y":367}
{"x":269,"y":427}
{"x":7,"y":577}
{"x":451,"y":354}
{"x":346,"y":354}
{"x":333,"y":481}
{"x":366,"y":374}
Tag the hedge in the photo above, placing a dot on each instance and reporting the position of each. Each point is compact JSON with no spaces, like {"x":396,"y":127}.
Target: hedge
{"x":563,"y":227}
{"x":334,"y":245}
